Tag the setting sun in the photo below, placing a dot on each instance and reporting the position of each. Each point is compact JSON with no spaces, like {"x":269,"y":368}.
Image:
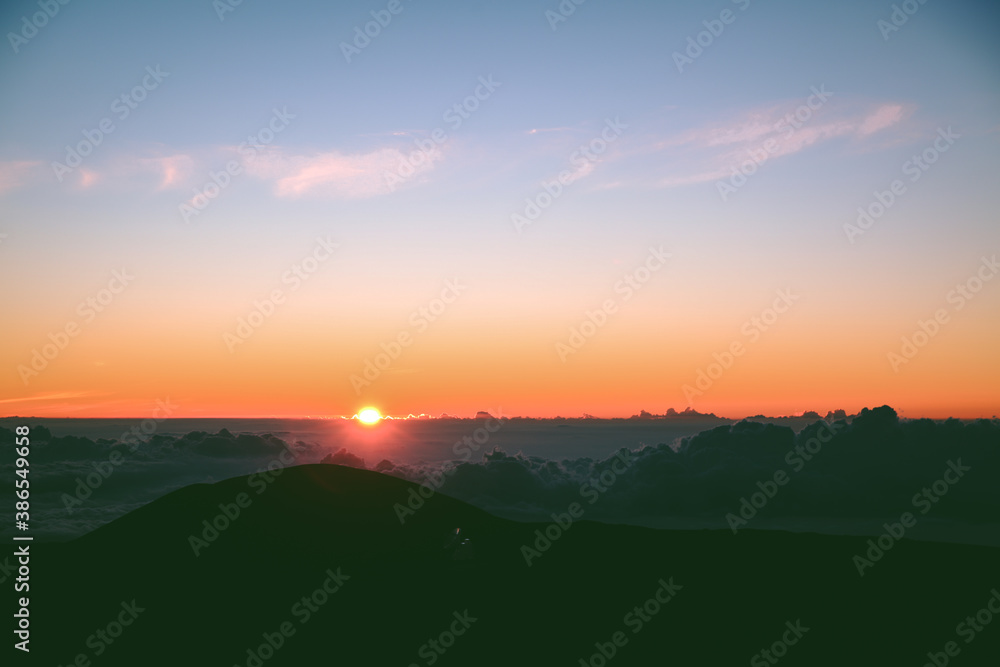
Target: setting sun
{"x":369,"y":416}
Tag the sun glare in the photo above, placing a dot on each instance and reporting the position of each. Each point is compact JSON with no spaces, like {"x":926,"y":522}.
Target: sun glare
{"x":369,"y":416}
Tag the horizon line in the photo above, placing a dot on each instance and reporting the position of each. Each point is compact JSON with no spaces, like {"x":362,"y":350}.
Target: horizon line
{"x":643,"y":415}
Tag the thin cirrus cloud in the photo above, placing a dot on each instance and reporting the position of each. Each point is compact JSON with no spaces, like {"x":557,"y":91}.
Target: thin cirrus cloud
{"x":584,"y":169}
{"x":884,"y":116}
{"x":720,"y":148}
{"x":341,"y":175}
{"x":538,"y":130}
{"x":699,"y":155}
{"x":52,"y":396}
{"x":324,"y":174}
{"x":15,"y":174}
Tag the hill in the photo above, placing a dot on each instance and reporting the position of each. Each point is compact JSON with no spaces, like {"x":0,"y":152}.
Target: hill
{"x":320,"y":552}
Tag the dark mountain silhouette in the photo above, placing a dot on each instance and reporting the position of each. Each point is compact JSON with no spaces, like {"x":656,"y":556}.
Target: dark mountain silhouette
{"x":408,"y":583}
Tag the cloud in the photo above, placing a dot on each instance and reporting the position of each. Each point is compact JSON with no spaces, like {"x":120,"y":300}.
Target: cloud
{"x":173,"y":169}
{"x":884,"y":116}
{"x":324,"y":174}
{"x":549,"y":129}
{"x":340,"y":175}
{"x":52,"y":396}
{"x":585,"y":169}
{"x":716,"y":150}
{"x":15,"y":174}
{"x":88,"y":177}
{"x":120,"y":170}
{"x":867,"y":468}
{"x":344,"y":458}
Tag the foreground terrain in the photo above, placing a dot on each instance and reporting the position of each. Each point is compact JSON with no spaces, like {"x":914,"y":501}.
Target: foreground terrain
{"x":317,"y":568}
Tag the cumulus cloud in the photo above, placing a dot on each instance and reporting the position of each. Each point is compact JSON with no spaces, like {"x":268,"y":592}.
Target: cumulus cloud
{"x":870,"y":467}
{"x":344,"y":458}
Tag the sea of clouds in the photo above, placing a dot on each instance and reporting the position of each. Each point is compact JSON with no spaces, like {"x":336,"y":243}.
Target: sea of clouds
{"x":839,"y":475}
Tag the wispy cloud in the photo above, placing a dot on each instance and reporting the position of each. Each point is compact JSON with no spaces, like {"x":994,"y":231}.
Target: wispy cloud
{"x":714,"y":150}
{"x":16,"y":174}
{"x":52,"y":396}
{"x":339,"y":175}
{"x":884,"y":116}
{"x":324,"y":174}
{"x":585,"y":169}
{"x":88,"y":177}
{"x":173,"y":169}
{"x":538,"y":130}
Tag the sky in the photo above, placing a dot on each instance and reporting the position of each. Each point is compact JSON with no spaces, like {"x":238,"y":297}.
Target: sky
{"x":531,"y":208}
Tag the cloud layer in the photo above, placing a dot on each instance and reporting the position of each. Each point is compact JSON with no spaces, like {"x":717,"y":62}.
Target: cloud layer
{"x":869,"y":469}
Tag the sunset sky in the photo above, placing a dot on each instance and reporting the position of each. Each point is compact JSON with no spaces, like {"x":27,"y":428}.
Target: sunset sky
{"x":386,"y":194}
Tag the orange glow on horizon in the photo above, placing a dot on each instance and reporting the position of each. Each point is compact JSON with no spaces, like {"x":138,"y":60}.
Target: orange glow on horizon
{"x":288,"y":371}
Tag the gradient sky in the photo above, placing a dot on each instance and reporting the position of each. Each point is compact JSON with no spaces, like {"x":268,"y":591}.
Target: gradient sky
{"x":496,"y":347}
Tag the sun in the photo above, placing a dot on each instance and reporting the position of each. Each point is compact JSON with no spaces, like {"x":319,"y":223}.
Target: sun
{"x":369,"y":416}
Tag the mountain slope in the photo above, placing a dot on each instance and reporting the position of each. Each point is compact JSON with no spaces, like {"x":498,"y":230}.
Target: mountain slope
{"x":398,"y":586}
